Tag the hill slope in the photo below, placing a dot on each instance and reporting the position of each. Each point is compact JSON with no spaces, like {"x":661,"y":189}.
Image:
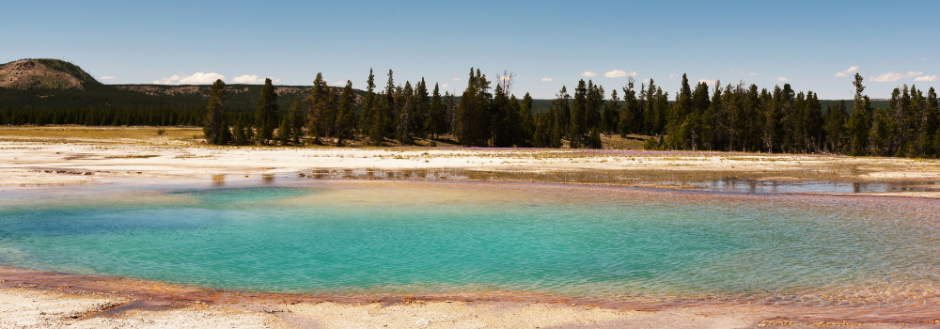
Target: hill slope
{"x":28,"y":74}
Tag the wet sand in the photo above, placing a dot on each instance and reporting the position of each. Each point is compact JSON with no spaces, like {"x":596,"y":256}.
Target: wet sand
{"x":37,"y":299}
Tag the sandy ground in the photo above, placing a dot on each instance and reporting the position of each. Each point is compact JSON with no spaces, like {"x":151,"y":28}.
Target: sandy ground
{"x":63,"y":156}
{"x":66,"y":156}
{"x":37,"y":308}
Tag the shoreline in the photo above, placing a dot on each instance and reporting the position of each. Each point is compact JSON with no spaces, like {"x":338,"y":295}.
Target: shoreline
{"x":123,"y":298}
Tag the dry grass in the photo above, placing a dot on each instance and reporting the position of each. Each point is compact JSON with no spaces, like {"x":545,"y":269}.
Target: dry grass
{"x":102,"y":134}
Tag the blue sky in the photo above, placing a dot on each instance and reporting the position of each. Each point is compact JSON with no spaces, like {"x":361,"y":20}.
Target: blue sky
{"x":804,"y":42}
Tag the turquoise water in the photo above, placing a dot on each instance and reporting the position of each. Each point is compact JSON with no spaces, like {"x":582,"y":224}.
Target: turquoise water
{"x":426,"y":237}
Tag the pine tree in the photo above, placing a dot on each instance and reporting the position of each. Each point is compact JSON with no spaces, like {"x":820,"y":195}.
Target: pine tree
{"x":215,"y":116}
{"x":406,"y":112}
{"x":365,"y":117}
{"x":380,"y":122}
{"x":298,"y":117}
{"x":631,"y":117}
{"x":345,"y":121}
{"x":319,"y":102}
{"x":266,"y":116}
{"x":882,"y":131}
{"x":526,"y":119}
{"x":436,"y":118}
{"x":472,"y":114}
{"x":239,"y":136}
{"x":858,"y":125}
{"x":611,"y":115}
{"x":422,"y":103}
{"x":283,"y":134}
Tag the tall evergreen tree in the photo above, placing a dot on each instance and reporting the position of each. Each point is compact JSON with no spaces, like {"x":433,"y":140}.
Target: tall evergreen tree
{"x":859,"y":122}
{"x":266,"y":116}
{"x":472,"y":114}
{"x":321,"y":116}
{"x":214,"y":122}
{"x":345,"y":119}
{"x":422,"y":104}
{"x":365,"y":117}
{"x":298,"y":117}
{"x":526,"y":119}
{"x":436,"y":123}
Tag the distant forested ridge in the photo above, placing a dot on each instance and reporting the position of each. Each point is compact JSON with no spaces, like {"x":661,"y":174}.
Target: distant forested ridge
{"x":698,"y":117}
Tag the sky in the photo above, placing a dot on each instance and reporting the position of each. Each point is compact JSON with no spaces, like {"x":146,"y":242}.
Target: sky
{"x":813,"y":45}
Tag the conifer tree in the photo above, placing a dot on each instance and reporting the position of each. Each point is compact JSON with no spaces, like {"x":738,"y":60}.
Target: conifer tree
{"x":578,"y":126}
{"x":319,"y":102}
{"x":858,"y":125}
{"x":835,"y":127}
{"x":345,"y":121}
{"x":500,"y":124}
{"x":611,"y":115}
{"x":436,"y":118}
{"x":406,"y":113}
{"x":266,"y":116}
{"x":283,"y":133}
{"x":422,"y":103}
{"x":365,"y":117}
{"x":526,"y":119}
{"x":881,"y":134}
{"x":214,"y":121}
{"x":379,"y":122}
{"x":298,"y":117}
{"x":631,"y":116}
{"x":472,"y":114}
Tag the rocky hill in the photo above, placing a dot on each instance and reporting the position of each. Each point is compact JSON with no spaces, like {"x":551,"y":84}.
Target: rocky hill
{"x":27,"y":74}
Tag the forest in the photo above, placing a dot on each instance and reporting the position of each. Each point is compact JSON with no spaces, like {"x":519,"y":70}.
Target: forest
{"x":720,"y":118}
{"x":736,"y":117}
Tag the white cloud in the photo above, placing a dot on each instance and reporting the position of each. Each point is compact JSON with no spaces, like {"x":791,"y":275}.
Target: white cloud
{"x":444,"y":85}
{"x":619,"y":74}
{"x":505,"y":78}
{"x":340,"y":83}
{"x":673,"y":75}
{"x":588,"y":74}
{"x":456,"y":79}
{"x":168,"y":81}
{"x":926,"y":78}
{"x":546,"y":79}
{"x":248,"y":79}
{"x":107,"y":77}
{"x":846,"y":72}
{"x":708,"y":82}
{"x":752,"y":74}
{"x":646,"y":80}
{"x":892,"y":76}
{"x":252,"y":79}
{"x":198,"y":78}
{"x":783,"y":79}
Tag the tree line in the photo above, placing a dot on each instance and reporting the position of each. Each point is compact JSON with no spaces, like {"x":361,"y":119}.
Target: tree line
{"x":706,"y":117}
{"x":698,"y":117}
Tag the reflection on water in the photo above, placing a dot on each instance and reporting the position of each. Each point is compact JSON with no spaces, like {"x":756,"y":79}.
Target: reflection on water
{"x":632,"y":178}
{"x":218,"y":180}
